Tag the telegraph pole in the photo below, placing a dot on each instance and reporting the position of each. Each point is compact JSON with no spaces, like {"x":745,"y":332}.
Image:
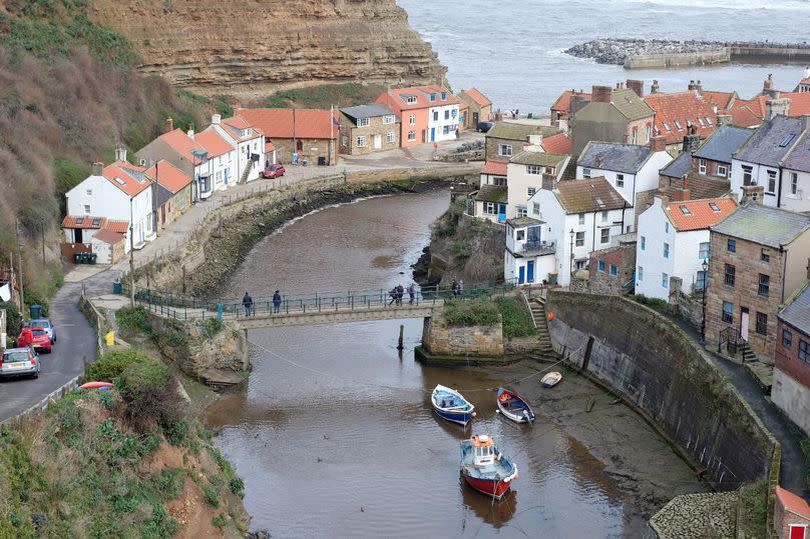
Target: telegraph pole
{"x":19,"y":265}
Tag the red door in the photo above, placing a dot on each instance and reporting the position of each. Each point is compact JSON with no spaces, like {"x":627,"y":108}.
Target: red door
{"x":798,"y":532}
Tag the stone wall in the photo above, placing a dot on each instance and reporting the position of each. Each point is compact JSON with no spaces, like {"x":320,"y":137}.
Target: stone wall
{"x":646,"y":61}
{"x":439,"y":339}
{"x":659,"y":371}
{"x":793,"y":398}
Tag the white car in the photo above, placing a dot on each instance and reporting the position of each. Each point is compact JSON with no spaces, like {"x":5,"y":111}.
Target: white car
{"x":17,"y":362}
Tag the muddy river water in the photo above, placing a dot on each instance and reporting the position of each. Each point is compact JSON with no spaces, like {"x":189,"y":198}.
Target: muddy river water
{"x":334,"y":436}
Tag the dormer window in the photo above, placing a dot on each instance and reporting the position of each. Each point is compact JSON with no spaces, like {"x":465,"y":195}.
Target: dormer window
{"x":444,"y":96}
{"x":389,"y":119}
{"x":433,"y":97}
{"x":678,"y":125}
{"x":246,"y":132}
{"x":410,"y":99}
{"x":666,"y":126}
{"x":714,"y":207}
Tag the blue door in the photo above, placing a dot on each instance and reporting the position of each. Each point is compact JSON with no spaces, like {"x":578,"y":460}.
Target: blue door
{"x":530,"y":271}
{"x":432,"y":134}
{"x":521,"y":275}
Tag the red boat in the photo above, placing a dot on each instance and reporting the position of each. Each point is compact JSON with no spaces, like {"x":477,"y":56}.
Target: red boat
{"x":484,"y":468}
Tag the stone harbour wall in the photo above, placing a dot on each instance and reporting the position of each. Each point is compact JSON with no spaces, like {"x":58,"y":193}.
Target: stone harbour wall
{"x":476,"y":341}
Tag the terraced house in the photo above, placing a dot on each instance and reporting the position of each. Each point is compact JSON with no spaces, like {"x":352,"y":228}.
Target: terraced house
{"x":506,"y":139}
{"x":426,"y":113}
{"x":368,"y":128}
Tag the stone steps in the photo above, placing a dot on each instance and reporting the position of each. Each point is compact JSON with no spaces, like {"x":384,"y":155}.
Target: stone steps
{"x":538,"y":311}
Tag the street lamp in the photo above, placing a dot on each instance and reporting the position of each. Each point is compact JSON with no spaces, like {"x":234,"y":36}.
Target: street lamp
{"x":571,"y":266}
{"x":705,"y":267}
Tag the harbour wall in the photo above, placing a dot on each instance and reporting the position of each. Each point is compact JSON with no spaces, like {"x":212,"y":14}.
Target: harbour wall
{"x":644,"y":61}
{"x":657,"y":369}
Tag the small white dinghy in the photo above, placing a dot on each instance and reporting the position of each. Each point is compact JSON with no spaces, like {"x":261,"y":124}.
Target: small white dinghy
{"x":551,"y":379}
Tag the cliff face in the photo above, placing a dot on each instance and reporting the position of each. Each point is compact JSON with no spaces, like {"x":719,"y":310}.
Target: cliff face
{"x":247,"y":48}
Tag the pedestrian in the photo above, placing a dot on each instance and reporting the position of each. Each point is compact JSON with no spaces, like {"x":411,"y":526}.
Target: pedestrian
{"x":400,"y":293}
{"x":411,"y":293}
{"x":460,"y":288}
{"x":247,"y":303}
{"x":393,"y":294}
{"x":454,"y":288}
{"x":276,"y":302}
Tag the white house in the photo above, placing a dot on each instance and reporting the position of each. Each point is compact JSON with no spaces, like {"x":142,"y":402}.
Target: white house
{"x":121,"y":192}
{"x":528,"y":257}
{"x":776,"y":158}
{"x":577,"y":217}
{"x":630,"y":169}
{"x":489,"y":202}
{"x":443,"y":119}
{"x":220,"y":158}
{"x":673,"y":241}
{"x":249,"y":143}
{"x":529,"y":171}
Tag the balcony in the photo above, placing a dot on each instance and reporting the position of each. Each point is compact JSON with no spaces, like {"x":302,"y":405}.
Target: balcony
{"x":537,"y":247}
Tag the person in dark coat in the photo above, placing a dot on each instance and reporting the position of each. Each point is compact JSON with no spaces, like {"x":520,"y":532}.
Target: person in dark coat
{"x":247,"y":303}
{"x":454,"y":288}
{"x":411,"y":293}
{"x":276,"y":302}
{"x":400,"y":293}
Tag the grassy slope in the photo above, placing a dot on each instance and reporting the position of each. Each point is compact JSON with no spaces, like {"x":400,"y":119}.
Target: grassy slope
{"x":324,"y":95}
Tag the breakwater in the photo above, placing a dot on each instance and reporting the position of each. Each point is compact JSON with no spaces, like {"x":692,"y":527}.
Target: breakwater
{"x":647,"y":53}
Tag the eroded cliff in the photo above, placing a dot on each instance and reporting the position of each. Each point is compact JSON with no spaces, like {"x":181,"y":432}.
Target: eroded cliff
{"x":248,"y":48}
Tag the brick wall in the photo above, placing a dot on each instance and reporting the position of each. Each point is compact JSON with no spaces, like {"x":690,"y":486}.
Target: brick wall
{"x":782,"y":519}
{"x":787,"y":359}
{"x":711,"y":167}
{"x":311,"y":149}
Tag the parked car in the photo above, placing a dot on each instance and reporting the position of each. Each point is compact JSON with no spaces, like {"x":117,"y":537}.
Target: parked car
{"x":45,"y":324}
{"x":41,"y":340}
{"x":483,"y":127}
{"x":16,"y":362}
{"x":273,"y":170}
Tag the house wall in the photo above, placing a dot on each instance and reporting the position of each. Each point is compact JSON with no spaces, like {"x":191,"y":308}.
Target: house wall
{"x":105,"y":199}
{"x":543,"y":266}
{"x":646,"y":179}
{"x":479,"y":212}
{"x":798,"y":259}
{"x":158,"y":150}
{"x":603,"y":282}
{"x":791,"y":377}
{"x":492,"y":146}
{"x":652,"y":234}
{"x":519,"y":182}
{"x":712,"y":168}
{"x":349,"y":133}
{"x":610,"y":175}
{"x":759,"y":175}
{"x":241,"y":155}
{"x":687,"y":261}
{"x":103,"y":251}
{"x":417,"y":121}
{"x":783,"y":519}
{"x":800,"y":202}
{"x":223,"y":170}
{"x":447,"y":121}
{"x":311,"y":149}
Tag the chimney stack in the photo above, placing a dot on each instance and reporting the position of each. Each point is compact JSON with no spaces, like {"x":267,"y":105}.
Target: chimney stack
{"x":601,"y":94}
{"x":767,"y":87}
{"x":190,"y":131}
{"x":658,"y":144}
{"x":654,"y":87}
{"x":535,"y":139}
{"x":753,"y":193}
{"x":682,"y":194}
{"x":723,"y":119}
{"x":169,"y":125}
{"x":97,"y":168}
{"x":699,"y":87}
{"x":691,"y":141}
{"x":776,"y":106}
{"x":121,"y":153}
{"x":637,"y":86}
{"x":691,"y":86}
{"x":216,"y":119}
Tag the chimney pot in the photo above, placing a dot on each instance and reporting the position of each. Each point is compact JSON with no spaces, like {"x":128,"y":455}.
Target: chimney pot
{"x":637,"y":86}
{"x":753,"y":193}
{"x":658,"y":144}
{"x":169,"y":124}
{"x":121,"y":153}
{"x":216,"y":119}
{"x":97,"y":168}
{"x":654,"y":87}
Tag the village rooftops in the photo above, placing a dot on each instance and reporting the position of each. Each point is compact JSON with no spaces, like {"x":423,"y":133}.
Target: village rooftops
{"x":366,"y":111}
{"x":614,"y":156}
{"x":524,"y":221}
{"x":587,"y":196}
{"x":559,"y":143}
{"x":513,"y":131}
{"x":292,"y":123}
{"x":169,"y":176}
{"x":213,"y":143}
{"x":678,"y":167}
{"x":676,"y":112}
{"x":726,"y":140}
{"x":126,"y":177}
{"x":791,"y":502}
{"x":185,"y":146}
{"x":240,"y":129}
{"x":417,"y":97}
{"x":722,"y":100}
{"x":477,"y":96}
{"x":492,"y":193}
{"x":542,"y":159}
{"x":771,"y":142}
{"x":108,"y":236}
{"x":628,"y":103}
{"x":797,"y":312}
{"x":765,"y":225}
{"x":494,"y":167}
{"x":699,"y":214}
{"x":563,"y":103}
{"x":799,"y":156}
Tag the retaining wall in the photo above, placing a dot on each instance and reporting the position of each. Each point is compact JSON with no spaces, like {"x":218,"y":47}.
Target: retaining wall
{"x":657,"y":369}
{"x":440,"y":339}
{"x":644,"y":61}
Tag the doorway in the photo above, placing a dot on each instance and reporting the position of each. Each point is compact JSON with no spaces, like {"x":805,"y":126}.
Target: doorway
{"x":377,"y":142}
{"x":432,"y":134}
{"x":475,"y":120}
{"x":744,"y":323}
{"x":521,"y":274}
{"x":798,"y":532}
{"x":530,"y":271}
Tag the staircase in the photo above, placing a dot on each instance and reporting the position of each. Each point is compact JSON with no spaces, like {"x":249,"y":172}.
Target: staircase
{"x":748,"y":354}
{"x":246,"y":172}
{"x":537,"y":308}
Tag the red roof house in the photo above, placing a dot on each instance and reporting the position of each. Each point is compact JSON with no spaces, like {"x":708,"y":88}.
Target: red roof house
{"x":676,"y":112}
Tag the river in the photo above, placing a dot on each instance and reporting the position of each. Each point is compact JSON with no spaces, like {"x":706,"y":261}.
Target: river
{"x":513,"y":51}
{"x":334,"y":435}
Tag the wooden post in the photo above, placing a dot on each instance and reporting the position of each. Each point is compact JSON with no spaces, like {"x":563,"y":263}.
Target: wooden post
{"x":400,"y":346}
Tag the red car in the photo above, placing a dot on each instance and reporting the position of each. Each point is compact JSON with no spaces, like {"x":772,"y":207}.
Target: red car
{"x":273,"y":170}
{"x":41,"y":339}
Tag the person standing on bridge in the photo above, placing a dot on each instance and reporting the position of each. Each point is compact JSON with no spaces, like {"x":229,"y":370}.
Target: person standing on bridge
{"x":247,"y":303}
{"x":411,"y":293}
{"x":276,"y":302}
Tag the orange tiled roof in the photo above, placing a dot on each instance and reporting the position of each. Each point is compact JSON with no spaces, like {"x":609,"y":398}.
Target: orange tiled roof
{"x":95,"y":223}
{"x":108,"y":236}
{"x":743,"y":116}
{"x":698,"y":214}
{"x":180,"y":142}
{"x":117,"y":226}
{"x":799,"y":103}
{"x":395,"y":99}
{"x":236,"y":121}
{"x":291,"y":123}
{"x":563,"y":103}
{"x":721,"y":99}
{"x":494,"y":167}
{"x":268,"y":145}
{"x":559,"y":144}
{"x":685,"y":108}
{"x":213,"y":143}
{"x":792,"y":502}
{"x":128,"y":178}
{"x":478,"y":97}
{"x":169,"y":176}
{"x":235,"y":124}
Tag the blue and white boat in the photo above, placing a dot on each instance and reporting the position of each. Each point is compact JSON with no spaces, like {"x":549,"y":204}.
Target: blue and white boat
{"x":449,"y":404}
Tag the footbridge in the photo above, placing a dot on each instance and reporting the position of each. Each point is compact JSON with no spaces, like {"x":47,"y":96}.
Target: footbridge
{"x":310,"y":309}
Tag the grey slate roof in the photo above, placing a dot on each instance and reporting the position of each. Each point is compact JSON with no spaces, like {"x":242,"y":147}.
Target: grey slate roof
{"x":767,"y":146}
{"x":366,"y":111}
{"x":797,"y":311}
{"x":799,"y":156}
{"x":630,"y":105}
{"x":678,"y":167}
{"x":514,"y":131}
{"x":162,"y":195}
{"x":492,"y":193}
{"x":725,"y":140}
{"x":525,"y":221}
{"x":764,"y":225}
{"x":588,"y":195}
{"x":626,"y":158}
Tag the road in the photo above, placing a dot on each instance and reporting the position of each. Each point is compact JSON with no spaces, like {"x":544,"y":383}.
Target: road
{"x":76,"y":341}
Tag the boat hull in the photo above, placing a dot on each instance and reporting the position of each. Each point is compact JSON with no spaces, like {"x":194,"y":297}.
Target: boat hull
{"x":515,"y":407}
{"x":516,"y":417}
{"x":490,"y":487}
{"x":461,"y":418}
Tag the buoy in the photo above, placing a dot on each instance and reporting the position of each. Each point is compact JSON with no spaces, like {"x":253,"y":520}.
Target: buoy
{"x":550,"y":316}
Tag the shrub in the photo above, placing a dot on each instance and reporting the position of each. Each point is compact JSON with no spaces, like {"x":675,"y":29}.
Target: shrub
{"x":220,"y":520}
{"x":517,"y":322}
{"x":147,"y":390}
{"x":13,"y":318}
{"x":112,"y":364}
{"x":177,"y":431}
{"x":210,"y":495}
{"x":477,"y":312}
{"x":134,"y":319}
{"x":210,"y":327}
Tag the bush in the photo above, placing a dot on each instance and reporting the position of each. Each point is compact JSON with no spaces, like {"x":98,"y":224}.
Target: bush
{"x":134,"y":319}
{"x":13,"y":318}
{"x":477,"y":312}
{"x":177,"y":431}
{"x":210,"y":495}
{"x":517,"y":322}
{"x":210,"y":327}
{"x":112,"y":364}
{"x":147,"y":390}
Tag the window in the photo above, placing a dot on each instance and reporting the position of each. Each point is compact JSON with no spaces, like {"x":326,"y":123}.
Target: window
{"x":505,"y":150}
{"x":787,"y":338}
{"x":722,"y":171}
{"x":581,"y":219}
{"x":731,"y":246}
{"x":702,"y":166}
{"x":412,"y":120}
{"x":446,"y":129}
{"x":702,"y":279}
{"x":362,"y":122}
{"x":728,"y":312}
{"x":762,"y":323}
{"x":89,"y":192}
{"x":614,"y":270}
{"x":489,"y":208}
{"x":411,"y":99}
{"x":771,"y":181}
{"x":664,"y":280}
{"x":390,"y":136}
{"x":87,"y":209}
{"x":499,"y":180}
{"x":534,"y":169}
{"x":435,"y":115}
{"x":531,"y":191}
{"x":601,"y":266}
{"x":447,"y":115}
{"x":604,"y":235}
{"x":586,"y":173}
{"x":678,"y":125}
{"x":804,"y":351}
{"x":619,"y":180}
{"x":411,"y":135}
{"x":454,"y":113}
{"x":536,"y":208}
{"x":714,"y":207}
{"x":666,"y":227}
{"x":685,"y":210}
{"x":764,"y":256}
{"x":360,"y":141}
{"x":748,"y":177}
{"x":344,"y":141}
{"x":432,"y":97}
{"x":764,"y":285}
{"x":640,"y":274}
{"x":703,"y":251}
{"x":634,"y":136}
{"x":444,"y":96}
{"x":794,"y":183}
{"x":604,"y":216}
{"x":521,"y":235}
{"x":786,"y":140}
{"x":521,"y":211}
{"x":580,"y":239}
{"x":643,"y":243}
{"x":730,"y":275}
{"x":389,"y":119}
{"x":666,"y":250}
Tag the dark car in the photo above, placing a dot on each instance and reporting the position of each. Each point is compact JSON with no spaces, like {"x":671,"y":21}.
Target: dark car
{"x":16,"y":362}
{"x":273,"y":170}
{"x":483,"y":127}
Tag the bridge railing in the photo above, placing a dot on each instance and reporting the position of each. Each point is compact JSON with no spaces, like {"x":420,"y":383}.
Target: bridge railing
{"x":187,"y":308}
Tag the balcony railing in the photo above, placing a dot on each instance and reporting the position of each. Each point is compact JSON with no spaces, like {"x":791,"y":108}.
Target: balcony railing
{"x":538,"y":247}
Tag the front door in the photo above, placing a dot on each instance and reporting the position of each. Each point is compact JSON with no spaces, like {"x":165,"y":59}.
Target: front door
{"x":798,"y":532}
{"x":521,"y":274}
{"x":377,"y":142}
{"x":744,"y":323}
{"x":530,"y":271}
{"x":475,"y":119}
{"x":77,"y":235}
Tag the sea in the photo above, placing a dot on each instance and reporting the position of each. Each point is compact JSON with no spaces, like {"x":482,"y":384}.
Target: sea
{"x":512,"y":50}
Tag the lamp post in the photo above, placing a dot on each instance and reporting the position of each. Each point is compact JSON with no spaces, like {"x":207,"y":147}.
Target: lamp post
{"x":705,"y":267}
{"x":571,"y":265}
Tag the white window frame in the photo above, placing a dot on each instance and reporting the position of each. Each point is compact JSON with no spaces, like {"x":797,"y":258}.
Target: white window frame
{"x":604,"y":236}
{"x":702,"y":166}
{"x":87,"y":209}
{"x":530,"y":191}
{"x":89,"y":192}
{"x":505,"y":150}
{"x":499,"y":180}
{"x":794,"y":183}
{"x":411,"y":120}
{"x":410,"y":99}
{"x":664,"y":281}
{"x":704,"y":250}
{"x":665,"y":250}
{"x":363,"y":122}
{"x":722,"y":171}
{"x":411,"y":135}
{"x":534,"y":169}
{"x":579,"y":239}
{"x":581,"y":218}
{"x":388,"y":119}
{"x":390,"y":136}
{"x":490,"y":208}
{"x":771,"y":181}
{"x":586,"y":173}
{"x":360,"y":141}
{"x":640,"y":273}
{"x":619,"y":180}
